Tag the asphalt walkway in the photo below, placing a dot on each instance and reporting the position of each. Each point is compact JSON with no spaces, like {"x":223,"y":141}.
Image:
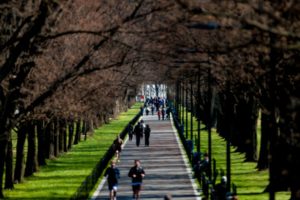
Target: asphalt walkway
{"x":164,"y":162}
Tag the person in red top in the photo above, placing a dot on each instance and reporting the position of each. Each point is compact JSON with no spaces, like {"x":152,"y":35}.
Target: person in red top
{"x":159,"y":113}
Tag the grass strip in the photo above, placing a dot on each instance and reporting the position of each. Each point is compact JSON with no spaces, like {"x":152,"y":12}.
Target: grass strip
{"x":62,"y":176}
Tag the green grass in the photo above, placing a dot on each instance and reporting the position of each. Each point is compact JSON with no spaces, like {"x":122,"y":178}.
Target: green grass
{"x":250,"y":182}
{"x":62,"y":176}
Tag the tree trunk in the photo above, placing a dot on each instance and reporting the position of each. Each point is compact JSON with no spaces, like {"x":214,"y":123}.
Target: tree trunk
{"x":90,"y":126}
{"x":19,"y":169}
{"x":63,"y":135}
{"x":41,"y":132}
{"x":57,"y":138}
{"x":84,"y":128}
{"x":31,"y":161}
{"x":71,"y":133}
{"x":249,"y":115}
{"x":3,"y":146}
{"x":49,"y":140}
{"x":78,"y":132}
{"x":9,"y":183}
{"x":263,"y":161}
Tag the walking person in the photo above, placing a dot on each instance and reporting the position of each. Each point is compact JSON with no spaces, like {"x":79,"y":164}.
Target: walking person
{"x":137,"y":174}
{"x":163,"y":112}
{"x":130,"y":131}
{"x":143,"y":126}
{"x":158,"y":113}
{"x":112,"y":174}
{"x":152,"y":109}
{"x":117,"y":146}
{"x":147,"y":135}
{"x":137,"y":132}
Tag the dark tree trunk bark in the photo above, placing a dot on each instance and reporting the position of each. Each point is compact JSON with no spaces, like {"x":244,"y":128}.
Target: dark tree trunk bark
{"x":63,"y":135}
{"x":47,"y":139}
{"x":90,"y":126}
{"x":78,"y":132}
{"x":3,"y":146}
{"x":9,"y":182}
{"x":58,"y":140}
{"x":71,"y":133}
{"x":84,"y":129}
{"x":251,"y":116}
{"x":263,"y":161}
{"x":19,"y":169}
{"x":31,"y":162}
{"x":246,"y":120}
{"x":41,"y":133}
{"x":50,"y":140}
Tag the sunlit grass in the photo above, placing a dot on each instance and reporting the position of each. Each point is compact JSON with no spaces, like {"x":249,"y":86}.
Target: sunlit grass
{"x":62,"y":176}
{"x":250,"y":182}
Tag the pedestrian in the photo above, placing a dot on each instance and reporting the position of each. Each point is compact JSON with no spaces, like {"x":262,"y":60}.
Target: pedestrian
{"x":204,"y":165}
{"x":142,"y":110}
{"x":152,"y":109}
{"x":163,"y":112}
{"x":168,"y":112}
{"x":130,"y":131}
{"x":158,"y":113}
{"x":147,"y":135}
{"x":147,"y":111}
{"x":117,"y":146}
{"x":137,"y":174}
{"x":112,"y":174}
{"x":143,"y":126}
{"x":220,"y":189}
{"x":137,"y":132}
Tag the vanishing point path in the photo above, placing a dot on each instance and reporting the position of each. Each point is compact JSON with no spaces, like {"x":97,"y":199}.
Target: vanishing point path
{"x":164,"y":163}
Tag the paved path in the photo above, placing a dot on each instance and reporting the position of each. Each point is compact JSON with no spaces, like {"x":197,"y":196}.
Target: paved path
{"x":163,"y":162}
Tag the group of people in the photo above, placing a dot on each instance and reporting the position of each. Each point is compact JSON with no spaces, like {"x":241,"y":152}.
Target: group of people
{"x":136,"y":173}
{"x":158,"y":105}
{"x":140,"y":130}
{"x":201,"y":169}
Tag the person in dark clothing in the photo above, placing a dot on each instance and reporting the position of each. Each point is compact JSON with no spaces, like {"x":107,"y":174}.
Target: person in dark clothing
{"x":117,"y":146}
{"x":113,"y":174}
{"x":163,"y":113}
{"x":168,"y":112}
{"x":130,"y":131}
{"x":143,"y":126}
{"x":168,"y":197}
{"x":152,"y":109}
{"x":204,"y":164}
{"x":137,"y":174}
{"x":137,"y":132}
{"x":147,"y":134}
{"x":220,"y":189}
{"x":142,"y":110}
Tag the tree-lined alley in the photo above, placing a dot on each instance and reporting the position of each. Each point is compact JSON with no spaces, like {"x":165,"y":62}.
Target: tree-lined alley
{"x":70,"y":65}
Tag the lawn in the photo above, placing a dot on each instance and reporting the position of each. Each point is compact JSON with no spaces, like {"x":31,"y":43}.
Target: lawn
{"x":62,"y":176}
{"x":249,"y":181}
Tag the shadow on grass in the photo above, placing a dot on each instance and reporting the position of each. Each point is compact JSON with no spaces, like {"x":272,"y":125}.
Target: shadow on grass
{"x":251,"y":193}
